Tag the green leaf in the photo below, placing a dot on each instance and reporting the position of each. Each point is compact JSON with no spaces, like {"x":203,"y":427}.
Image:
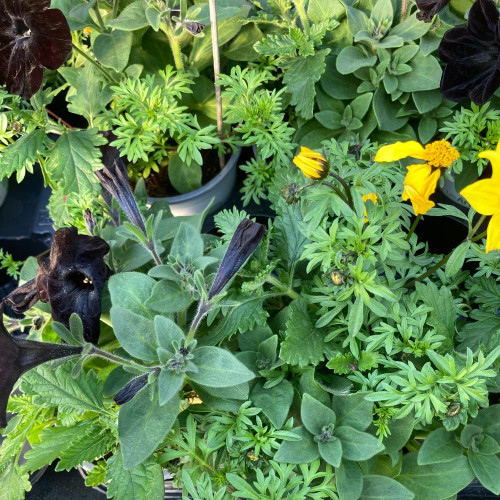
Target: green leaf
{"x":185,"y":178}
{"x":401,"y":430}
{"x":168,"y":297}
{"x":218,"y":368}
{"x":169,"y":384}
{"x":304,"y":343}
{"x":74,"y":158}
{"x":357,"y":445}
{"x":488,"y":446}
{"x":353,"y":58}
{"x":140,"y":482}
{"x":130,"y":291}
{"x":427,"y":100}
{"x":241,"y":487}
{"x":242,"y":49}
{"x":331,"y":451}
{"x":487,"y":470}
{"x":425,"y":74}
{"x":410,"y":29}
{"x":456,"y":260}
{"x":356,"y":314}
{"x":87,"y":447}
{"x":131,"y":18}
{"x":187,"y":244}
{"x":113,"y":50}
{"x":329,"y":119}
{"x":435,"y":480}
{"x":13,"y":482}
{"x":21,"y":153}
{"x":386,"y":112}
{"x":469,"y":432}
{"x":135,"y":333}
{"x":275,"y":402}
{"x":384,"y":488}
{"x":88,"y":95}
{"x":319,"y":10}
{"x":303,"y":451}
{"x":73,"y":336}
{"x":53,"y":442}
{"x":300,"y":78}
{"x":353,"y":410}
{"x":315,"y":415}
{"x":439,"y":446}
{"x":349,"y":480}
{"x":58,"y":388}
{"x":337,"y":85}
{"x":167,"y":332}
{"x":143,"y":424}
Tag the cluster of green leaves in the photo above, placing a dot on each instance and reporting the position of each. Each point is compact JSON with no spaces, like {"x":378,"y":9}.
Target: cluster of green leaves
{"x":472,"y":131}
{"x":11,"y":266}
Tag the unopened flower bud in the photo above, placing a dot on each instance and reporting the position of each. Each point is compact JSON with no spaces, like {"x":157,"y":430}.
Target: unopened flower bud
{"x":337,"y":277}
{"x":313,"y":165}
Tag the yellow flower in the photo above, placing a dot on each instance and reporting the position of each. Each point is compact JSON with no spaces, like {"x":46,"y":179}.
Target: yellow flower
{"x":484,"y":197}
{"x":421,"y":179}
{"x":373,"y":198}
{"x":313,"y":165}
{"x":87,"y":30}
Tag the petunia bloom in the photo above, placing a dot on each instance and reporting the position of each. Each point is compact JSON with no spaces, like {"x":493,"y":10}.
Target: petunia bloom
{"x":421,"y":179}
{"x":429,"y":8}
{"x":313,"y":165}
{"x":472,"y":56}
{"x":125,"y":394}
{"x":17,"y":356}
{"x":32,"y":37}
{"x":114,"y":180}
{"x":484,"y":197}
{"x":244,"y":241}
{"x":71,"y":279}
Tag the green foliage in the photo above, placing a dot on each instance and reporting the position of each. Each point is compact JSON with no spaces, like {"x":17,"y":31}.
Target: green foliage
{"x":11,"y":266}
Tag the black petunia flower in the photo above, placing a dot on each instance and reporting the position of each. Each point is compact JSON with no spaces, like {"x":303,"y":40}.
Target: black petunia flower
{"x":17,"y":356}
{"x":472,"y":56}
{"x":244,"y":241}
{"x":429,"y":8}
{"x":114,"y":180}
{"x":71,"y":279}
{"x":125,"y":394}
{"x":32,"y":37}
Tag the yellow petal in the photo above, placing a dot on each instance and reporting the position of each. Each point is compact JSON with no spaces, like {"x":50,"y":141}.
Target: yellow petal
{"x":493,"y":233}
{"x":422,"y":179}
{"x":494,"y":157}
{"x":394,"y":152}
{"x":420,"y":204}
{"x":484,"y":196}
{"x":309,"y":153}
{"x":307,"y":167}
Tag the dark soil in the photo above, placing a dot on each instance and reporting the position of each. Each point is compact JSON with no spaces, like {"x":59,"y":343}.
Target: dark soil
{"x":158,"y":184}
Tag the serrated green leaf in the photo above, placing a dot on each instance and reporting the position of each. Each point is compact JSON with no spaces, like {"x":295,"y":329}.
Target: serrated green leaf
{"x":74,"y":158}
{"x":21,"y":153}
{"x":89,"y":446}
{"x":13,"y":482}
{"x":137,"y":483}
{"x":304,"y":343}
{"x":58,"y":388}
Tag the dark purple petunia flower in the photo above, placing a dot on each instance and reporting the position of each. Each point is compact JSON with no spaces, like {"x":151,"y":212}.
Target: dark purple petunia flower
{"x":125,"y":394}
{"x":429,"y":8}
{"x":17,"y":356}
{"x":71,"y":279}
{"x":244,"y":241}
{"x":114,"y":180}
{"x":32,"y":37}
{"x":472,"y":56}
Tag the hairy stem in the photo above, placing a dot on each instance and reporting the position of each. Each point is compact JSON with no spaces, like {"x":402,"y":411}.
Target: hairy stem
{"x":338,"y":192}
{"x":95,"y":63}
{"x":175,"y":45}
{"x":95,"y":351}
{"x":203,"y":309}
{"x":285,"y":289}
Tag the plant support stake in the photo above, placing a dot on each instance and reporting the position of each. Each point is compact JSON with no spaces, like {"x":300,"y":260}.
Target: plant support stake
{"x":215,"y":54}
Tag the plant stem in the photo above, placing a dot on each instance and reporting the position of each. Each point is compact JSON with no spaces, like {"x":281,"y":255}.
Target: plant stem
{"x":151,"y":247}
{"x":115,"y":8}
{"x":287,"y":290}
{"x":302,"y":14}
{"x":203,"y":309}
{"x":47,"y":181}
{"x":445,"y":259}
{"x":175,"y":46}
{"x":100,"y":22}
{"x":346,"y":189}
{"x":337,"y":191}
{"x":479,"y":236}
{"x":59,"y":119}
{"x":216,"y":58}
{"x":117,"y":359}
{"x":95,"y":63}
{"x":413,"y":226}
{"x":404,"y":6}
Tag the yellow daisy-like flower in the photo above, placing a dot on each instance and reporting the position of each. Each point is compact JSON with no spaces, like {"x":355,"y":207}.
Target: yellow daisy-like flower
{"x":313,"y":165}
{"x":421,"y":180}
{"x":484,"y":197}
{"x":373,"y":198}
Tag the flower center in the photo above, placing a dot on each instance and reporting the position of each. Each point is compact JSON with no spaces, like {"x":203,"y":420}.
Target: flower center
{"x":440,"y":154}
{"x":20,"y":29}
